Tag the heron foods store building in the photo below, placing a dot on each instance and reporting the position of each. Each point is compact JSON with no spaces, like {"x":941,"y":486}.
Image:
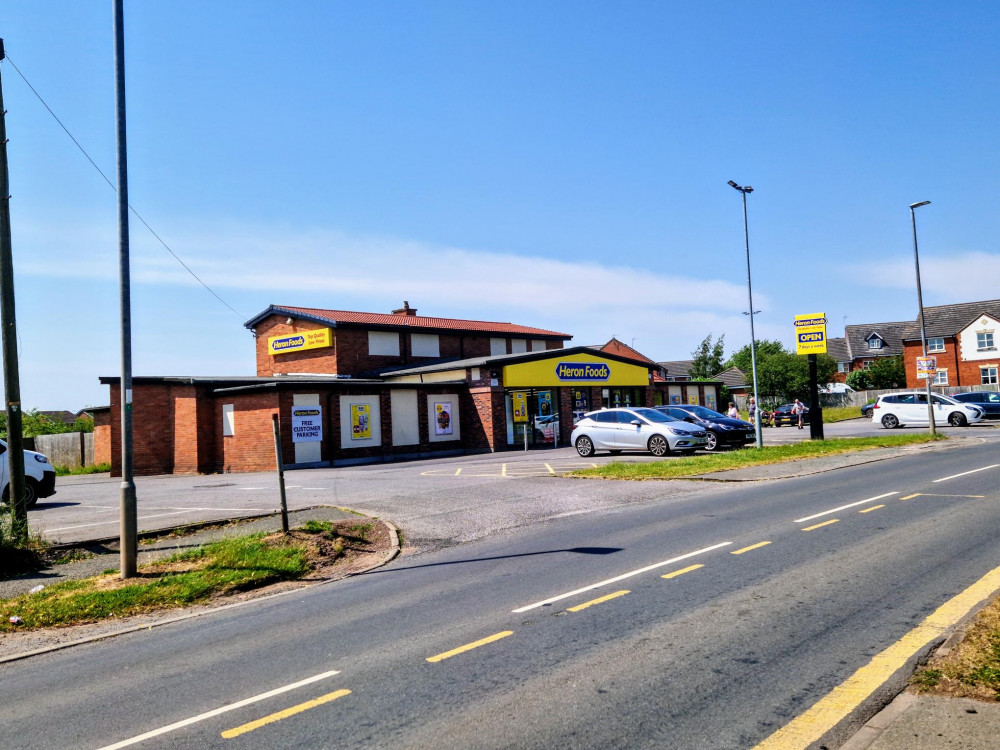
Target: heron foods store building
{"x":365,"y":387}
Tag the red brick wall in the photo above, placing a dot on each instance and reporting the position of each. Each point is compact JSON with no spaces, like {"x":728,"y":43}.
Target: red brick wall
{"x":312,"y":360}
{"x":959,"y":372}
{"x":488,"y":430}
{"x":186,"y":433}
{"x":251,"y":446}
{"x":102,"y":437}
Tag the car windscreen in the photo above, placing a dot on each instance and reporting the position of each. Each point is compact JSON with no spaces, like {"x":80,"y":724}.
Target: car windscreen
{"x":704,"y":412}
{"x":652,"y":415}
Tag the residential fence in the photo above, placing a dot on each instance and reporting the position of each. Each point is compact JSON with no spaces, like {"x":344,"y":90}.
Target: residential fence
{"x":70,"y":449}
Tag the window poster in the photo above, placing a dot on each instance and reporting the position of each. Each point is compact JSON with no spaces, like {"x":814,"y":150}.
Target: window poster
{"x":361,"y":421}
{"x":545,"y":404}
{"x":520,"y":404}
{"x":442,"y":418}
{"x":307,"y":424}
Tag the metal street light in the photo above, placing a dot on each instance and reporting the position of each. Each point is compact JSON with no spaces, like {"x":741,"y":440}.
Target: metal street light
{"x":753,"y":339}
{"x":920,"y":302}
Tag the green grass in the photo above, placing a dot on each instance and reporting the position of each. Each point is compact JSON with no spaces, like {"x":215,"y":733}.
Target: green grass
{"x":62,"y":471}
{"x":840,"y":413}
{"x":672,"y":468}
{"x":190,"y":577}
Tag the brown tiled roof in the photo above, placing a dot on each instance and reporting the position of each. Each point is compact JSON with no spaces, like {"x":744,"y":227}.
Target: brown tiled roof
{"x":387,"y":320}
{"x":892,"y":335}
{"x":678,"y":368}
{"x":950,"y":320}
{"x":614,"y":346}
{"x":734,"y":377}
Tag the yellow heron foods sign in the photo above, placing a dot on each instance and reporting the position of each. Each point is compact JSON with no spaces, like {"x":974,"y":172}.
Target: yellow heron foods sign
{"x":810,"y":333}
{"x":573,"y":370}
{"x":297,"y":342}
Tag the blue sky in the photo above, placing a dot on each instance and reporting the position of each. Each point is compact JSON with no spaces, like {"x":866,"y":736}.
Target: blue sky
{"x":558,"y":164}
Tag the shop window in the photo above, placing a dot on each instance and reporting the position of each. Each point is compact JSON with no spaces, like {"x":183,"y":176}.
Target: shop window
{"x":517,"y":346}
{"x":425,"y":345}
{"x":537,"y":346}
{"x":383,"y":344}
{"x":498,"y":347}
{"x":935,"y":345}
{"x":228,"y":420}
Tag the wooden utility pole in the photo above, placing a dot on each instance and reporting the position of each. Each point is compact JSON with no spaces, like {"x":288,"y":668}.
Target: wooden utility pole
{"x":11,"y":377}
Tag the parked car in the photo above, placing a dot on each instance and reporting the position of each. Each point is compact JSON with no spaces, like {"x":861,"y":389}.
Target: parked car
{"x":545,"y":429}
{"x":638,"y":429}
{"x":867,"y":409}
{"x":988,"y":401}
{"x":783,"y":415}
{"x":720,"y":431}
{"x":910,"y":408}
{"x":39,"y":476}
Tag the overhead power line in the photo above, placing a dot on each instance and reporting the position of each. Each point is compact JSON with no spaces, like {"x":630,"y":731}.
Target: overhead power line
{"x":114,"y":187}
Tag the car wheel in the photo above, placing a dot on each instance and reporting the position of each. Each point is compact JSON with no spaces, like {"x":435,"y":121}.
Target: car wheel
{"x":957,"y":420}
{"x":890,"y":422}
{"x":711,"y":441}
{"x":30,"y":493}
{"x":584,"y":446}
{"x":658,"y":446}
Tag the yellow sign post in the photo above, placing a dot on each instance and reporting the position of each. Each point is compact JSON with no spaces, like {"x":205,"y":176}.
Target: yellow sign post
{"x":810,"y":333}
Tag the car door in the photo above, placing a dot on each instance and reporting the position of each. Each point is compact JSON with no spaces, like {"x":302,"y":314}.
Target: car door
{"x":942,"y":409}
{"x":602,"y":431}
{"x":914,"y":409}
{"x":630,"y":436}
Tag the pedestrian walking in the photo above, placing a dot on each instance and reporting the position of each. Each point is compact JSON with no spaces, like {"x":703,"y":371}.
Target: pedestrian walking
{"x":799,"y":409}
{"x":753,"y":410}
{"x":733,"y":412}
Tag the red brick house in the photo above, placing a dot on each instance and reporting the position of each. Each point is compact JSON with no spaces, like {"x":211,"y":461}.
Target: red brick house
{"x":964,"y":339}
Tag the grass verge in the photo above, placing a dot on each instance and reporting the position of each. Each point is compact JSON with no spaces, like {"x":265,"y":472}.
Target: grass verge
{"x":972,"y":668}
{"x":194,"y":576}
{"x":775,"y":454}
{"x":63,"y":471}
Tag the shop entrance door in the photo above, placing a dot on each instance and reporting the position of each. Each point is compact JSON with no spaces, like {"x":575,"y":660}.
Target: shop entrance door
{"x":533,"y":412}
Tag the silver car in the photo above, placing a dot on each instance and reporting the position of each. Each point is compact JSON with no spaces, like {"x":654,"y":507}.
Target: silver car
{"x":635,"y":429}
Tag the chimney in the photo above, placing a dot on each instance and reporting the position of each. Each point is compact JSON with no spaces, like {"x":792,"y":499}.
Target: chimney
{"x":405,"y":309}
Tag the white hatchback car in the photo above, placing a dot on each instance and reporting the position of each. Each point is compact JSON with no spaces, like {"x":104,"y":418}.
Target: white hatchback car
{"x":910,"y":408}
{"x":635,"y":429}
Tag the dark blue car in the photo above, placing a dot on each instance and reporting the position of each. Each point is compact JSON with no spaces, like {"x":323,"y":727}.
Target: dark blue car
{"x":722,"y":431}
{"x":988,"y":401}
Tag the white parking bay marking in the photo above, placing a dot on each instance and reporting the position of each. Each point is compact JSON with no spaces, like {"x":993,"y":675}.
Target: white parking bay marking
{"x":622,"y":577}
{"x":220,"y":710}
{"x":966,"y":473}
{"x":843,"y":507}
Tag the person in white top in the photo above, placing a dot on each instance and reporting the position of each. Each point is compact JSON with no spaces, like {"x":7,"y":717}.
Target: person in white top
{"x":799,"y":409}
{"x":752,"y":406}
{"x":733,"y":411}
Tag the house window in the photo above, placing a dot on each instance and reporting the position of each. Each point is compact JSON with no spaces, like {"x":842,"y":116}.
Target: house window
{"x":940,"y":378}
{"x":988,"y":375}
{"x":228,"y":420}
{"x":935,"y":345}
{"x":984,"y":341}
{"x":383,"y":344}
{"x":875,"y":343}
{"x":842,"y":366}
{"x":867,"y":364}
{"x":425,"y":345}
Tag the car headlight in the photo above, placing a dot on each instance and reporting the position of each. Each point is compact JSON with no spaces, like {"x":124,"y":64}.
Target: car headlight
{"x":675,"y":431}
{"x":724,"y":427}
{"x":41,"y":459}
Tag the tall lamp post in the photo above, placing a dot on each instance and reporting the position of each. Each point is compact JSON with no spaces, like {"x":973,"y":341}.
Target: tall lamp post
{"x":920,"y":302}
{"x":753,"y":339}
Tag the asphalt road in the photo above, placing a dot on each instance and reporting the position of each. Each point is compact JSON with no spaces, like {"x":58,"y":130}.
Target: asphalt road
{"x":831,"y":569}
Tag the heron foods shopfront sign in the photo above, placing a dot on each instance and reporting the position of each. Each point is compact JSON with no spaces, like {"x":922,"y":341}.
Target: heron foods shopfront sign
{"x":297,"y":342}
{"x":574,"y":369}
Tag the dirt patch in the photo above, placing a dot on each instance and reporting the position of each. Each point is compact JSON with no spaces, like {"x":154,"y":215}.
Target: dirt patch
{"x":971,"y":668}
{"x":347,"y":548}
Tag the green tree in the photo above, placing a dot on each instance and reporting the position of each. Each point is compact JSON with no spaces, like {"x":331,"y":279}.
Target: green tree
{"x":33,"y":423}
{"x":785,"y":375}
{"x":708,"y":358}
{"x":765,"y":348}
{"x":883,"y":373}
{"x":859,"y":380}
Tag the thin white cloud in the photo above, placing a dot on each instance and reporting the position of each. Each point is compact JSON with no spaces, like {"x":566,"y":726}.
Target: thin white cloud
{"x":962,"y":277}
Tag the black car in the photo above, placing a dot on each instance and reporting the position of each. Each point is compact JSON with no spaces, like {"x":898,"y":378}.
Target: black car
{"x":988,"y":401}
{"x":783,"y":415}
{"x":722,"y":431}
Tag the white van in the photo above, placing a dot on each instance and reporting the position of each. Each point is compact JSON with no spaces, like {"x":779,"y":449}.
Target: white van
{"x":39,"y":476}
